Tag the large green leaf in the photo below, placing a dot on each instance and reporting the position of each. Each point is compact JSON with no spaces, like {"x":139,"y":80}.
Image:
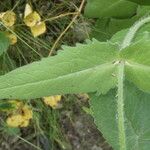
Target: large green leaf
{"x":137,"y":63}
{"x":84,"y":68}
{"x":141,"y":2}
{"x":4,"y":43}
{"x":137,"y":118}
{"x":110,"y":8}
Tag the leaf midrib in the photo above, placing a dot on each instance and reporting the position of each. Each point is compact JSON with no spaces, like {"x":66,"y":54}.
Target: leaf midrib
{"x":63,"y":76}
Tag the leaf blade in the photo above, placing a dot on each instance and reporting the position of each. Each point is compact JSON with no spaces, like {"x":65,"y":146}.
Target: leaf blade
{"x":143,"y":2}
{"x":137,"y":122}
{"x":105,"y":28}
{"x":113,"y":8}
{"x":4,"y":43}
{"x":73,"y":70}
{"x":137,"y":64}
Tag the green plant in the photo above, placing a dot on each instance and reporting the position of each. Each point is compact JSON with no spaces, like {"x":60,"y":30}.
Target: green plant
{"x":115,"y":73}
{"x":113,"y":16}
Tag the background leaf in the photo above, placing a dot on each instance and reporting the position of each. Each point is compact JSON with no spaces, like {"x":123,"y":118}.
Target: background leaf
{"x":141,"y":2}
{"x":83,"y":68}
{"x":6,"y":106}
{"x":105,"y":28}
{"x":4,"y":43}
{"x":137,"y":118}
{"x":111,"y":8}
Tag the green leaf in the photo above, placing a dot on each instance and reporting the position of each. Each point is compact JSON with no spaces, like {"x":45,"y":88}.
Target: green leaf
{"x":6,"y":64}
{"x":110,"y":8}
{"x":100,"y":29}
{"x":4,"y":43}
{"x":137,"y":63}
{"x":143,"y":32}
{"x":6,"y":106}
{"x":105,"y":28}
{"x":141,"y":2}
{"x":84,"y":68}
{"x":137,"y":118}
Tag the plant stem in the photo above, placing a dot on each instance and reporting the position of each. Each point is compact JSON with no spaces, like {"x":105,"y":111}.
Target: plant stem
{"x":77,"y":14}
{"x":60,"y":16}
{"x":133,"y":30}
{"x":120,"y":102}
{"x":120,"y":107}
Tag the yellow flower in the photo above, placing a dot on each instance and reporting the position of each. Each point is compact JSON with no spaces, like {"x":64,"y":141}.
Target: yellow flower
{"x":83,"y":96}
{"x":8,"y":18}
{"x":21,"y":116}
{"x":28,"y":10}
{"x":12,"y":37}
{"x":52,"y":101}
{"x":14,"y":121}
{"x":17,"y":121}
{"x":38,"y":29}
{"x":27,"y":112}
{"x":33,"y":20}
{"x":16,"y":103}
{"x":25,"y":123}
{"x":1,"y":15}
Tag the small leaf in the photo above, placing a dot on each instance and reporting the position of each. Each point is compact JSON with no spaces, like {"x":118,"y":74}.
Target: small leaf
{"x":5,"y":106}
{"x":107,"y":8}
{"x":11,"y":105}
{"x":4,"y":43}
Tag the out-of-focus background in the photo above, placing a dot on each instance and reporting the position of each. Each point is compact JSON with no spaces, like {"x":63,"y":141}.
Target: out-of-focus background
{"x":69,"y":125}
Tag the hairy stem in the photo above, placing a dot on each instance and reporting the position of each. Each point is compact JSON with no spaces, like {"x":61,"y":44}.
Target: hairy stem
{"x":120,"y":102}
{"x":120,"y":107}
{"x":133,"y":30}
